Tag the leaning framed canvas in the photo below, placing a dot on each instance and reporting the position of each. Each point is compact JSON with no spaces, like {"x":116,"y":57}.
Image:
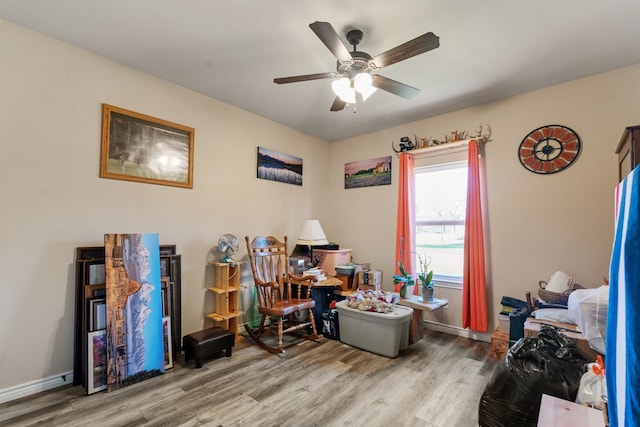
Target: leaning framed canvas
{"x":168,"y":351}
{"x":165,"y":289}
{"x":134,"y":318}
{"x":97,"y":314}
{"x":97,"y":366}
{"x":137,"y":147}
{"x":368,"y":173}
{"x":275,"y":166}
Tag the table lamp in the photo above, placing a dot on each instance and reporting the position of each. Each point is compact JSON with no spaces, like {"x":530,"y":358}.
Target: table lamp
{"x":312,"y":235}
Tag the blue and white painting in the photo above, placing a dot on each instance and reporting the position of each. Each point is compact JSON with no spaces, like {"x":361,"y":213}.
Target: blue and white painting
{"x":280,"y":167}
{"x":135,"y":348}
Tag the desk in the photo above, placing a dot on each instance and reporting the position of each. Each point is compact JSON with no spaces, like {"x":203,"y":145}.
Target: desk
{"x":322,"y":293}
{"x":415,"y":302}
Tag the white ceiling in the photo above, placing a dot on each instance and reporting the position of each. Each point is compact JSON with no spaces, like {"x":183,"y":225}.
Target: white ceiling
{"x":232,"y":50}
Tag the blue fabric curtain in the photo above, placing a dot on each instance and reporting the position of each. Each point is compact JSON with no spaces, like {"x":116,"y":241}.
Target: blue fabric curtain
{"x":622,"y":361}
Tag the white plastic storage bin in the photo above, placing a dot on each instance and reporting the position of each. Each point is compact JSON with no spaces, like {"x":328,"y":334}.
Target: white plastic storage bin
{"x":380,"y":333}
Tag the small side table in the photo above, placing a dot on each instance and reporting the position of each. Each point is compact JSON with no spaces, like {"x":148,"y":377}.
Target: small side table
{"x":415,"y":302}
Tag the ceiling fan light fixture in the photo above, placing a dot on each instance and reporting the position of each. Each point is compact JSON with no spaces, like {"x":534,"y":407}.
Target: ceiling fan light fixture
{"x":362,"y":82}
{"x":343,"y":88}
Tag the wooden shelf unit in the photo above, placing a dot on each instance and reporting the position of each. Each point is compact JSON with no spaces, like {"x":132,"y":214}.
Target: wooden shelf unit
{"x":226,"y":295}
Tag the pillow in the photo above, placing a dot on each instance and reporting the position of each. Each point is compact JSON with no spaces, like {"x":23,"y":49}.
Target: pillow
{"x":559,"y":282}
{"x":553,"y":314}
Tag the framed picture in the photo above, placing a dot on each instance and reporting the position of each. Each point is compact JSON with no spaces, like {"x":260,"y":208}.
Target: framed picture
{"x":279,"y":167}
{"x":168,"y":351}
{"x":97,"y":314}
{"x":141,"y":148}
{"x":97,"y":363}
{"x":368,"y":173}
{"x":94,"y":273}
{"x":165,"y":290}
{"x":164,"y":266}
{"x":167,"y":250}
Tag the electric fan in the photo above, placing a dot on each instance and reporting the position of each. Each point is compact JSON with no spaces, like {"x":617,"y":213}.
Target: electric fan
{"x":228,"y":245}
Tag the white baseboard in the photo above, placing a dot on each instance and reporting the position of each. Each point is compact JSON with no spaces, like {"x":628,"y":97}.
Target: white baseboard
{"x":37,"y":386}
{"x":456,"y":330}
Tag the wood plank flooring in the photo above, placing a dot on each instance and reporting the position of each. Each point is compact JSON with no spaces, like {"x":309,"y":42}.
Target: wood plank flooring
{"x":436,"y":382}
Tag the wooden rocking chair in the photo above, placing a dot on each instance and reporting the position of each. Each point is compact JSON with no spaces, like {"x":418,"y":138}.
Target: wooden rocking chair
{"x":277,"y":299}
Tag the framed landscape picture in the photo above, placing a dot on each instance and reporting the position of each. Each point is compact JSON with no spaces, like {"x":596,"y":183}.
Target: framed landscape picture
{"x":368,"y":173}
{"x":97,"y":366}
{"x":137,"y":147}
{"x":279,"y":167}
{"x":134,"y":317}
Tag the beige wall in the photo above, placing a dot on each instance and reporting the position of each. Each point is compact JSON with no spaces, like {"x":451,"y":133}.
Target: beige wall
{"x":536,"y":224}
{"x":53,"y":200}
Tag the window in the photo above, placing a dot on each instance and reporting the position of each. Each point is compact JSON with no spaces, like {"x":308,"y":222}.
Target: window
{"x":440,"y":198}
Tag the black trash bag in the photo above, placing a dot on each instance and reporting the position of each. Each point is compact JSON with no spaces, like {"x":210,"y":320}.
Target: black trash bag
{"x":547,"y":364}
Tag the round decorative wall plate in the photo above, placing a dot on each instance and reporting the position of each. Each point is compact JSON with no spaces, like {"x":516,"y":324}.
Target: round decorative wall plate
{"x":549,"y":149}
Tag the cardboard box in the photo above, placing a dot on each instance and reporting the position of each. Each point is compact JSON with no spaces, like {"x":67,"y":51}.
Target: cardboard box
{"x":347,"y":282}
{"x":532,"y":327}
{"x":327,"y":259}
{"x":499,"y":344}
{"x":376,"y":287}
{"x":370,"y":277}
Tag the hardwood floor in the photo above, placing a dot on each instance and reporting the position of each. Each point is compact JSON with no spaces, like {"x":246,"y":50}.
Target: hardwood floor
{"x":435,"y":382}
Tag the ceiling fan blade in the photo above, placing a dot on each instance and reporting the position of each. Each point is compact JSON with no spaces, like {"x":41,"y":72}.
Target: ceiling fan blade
{"x":329,"y":37}
{"x":304,"y":78}
{"x":421,"y":44}
{"x":394,"y":87}
{"x":338,"y":104}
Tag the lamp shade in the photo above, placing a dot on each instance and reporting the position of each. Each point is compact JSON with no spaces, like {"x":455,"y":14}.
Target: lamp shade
{"x":343,"y":88}
{"x":312,"y":234}
{"x":362,"y":82}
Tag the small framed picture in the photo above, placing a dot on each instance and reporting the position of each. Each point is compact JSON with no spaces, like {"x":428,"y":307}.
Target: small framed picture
{"x":168,"y":351}
{"x":97,"y":314}
{"x":280,"y":167}
{"x":97,"y":363}
{"x":165,"y":290}
{"x":94,"y":273}
{"x":167,"y":250}
{"x":368,"y":173}
{"x":164,"y":266}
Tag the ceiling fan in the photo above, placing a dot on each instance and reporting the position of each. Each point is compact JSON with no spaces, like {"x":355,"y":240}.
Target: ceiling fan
{"x":355,"y":68}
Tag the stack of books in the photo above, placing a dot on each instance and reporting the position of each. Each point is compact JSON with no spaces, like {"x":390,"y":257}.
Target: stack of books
{"x":315,"y":272}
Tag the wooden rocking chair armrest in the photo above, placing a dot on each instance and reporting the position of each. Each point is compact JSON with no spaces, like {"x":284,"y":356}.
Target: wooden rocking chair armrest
{"x":298,"y":279}
{"x":270,"y":283}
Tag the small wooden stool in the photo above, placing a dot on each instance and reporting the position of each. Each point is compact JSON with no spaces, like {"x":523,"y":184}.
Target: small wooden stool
{"x":207,"y":342}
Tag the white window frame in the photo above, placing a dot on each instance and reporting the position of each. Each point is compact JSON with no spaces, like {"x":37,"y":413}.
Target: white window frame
{"x":441,"y":157}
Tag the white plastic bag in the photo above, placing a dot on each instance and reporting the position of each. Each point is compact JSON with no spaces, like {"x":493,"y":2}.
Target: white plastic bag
{"x":592,"y":385}
{"x":588,"y":309}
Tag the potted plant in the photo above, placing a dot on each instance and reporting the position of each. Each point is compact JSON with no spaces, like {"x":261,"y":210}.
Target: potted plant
{"x":425,"y":277}
{"x":405,"y":279}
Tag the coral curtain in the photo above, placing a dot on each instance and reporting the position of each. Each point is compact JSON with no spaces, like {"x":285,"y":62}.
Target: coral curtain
{"x":405,"y":227}
{"x":474,"y":290}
